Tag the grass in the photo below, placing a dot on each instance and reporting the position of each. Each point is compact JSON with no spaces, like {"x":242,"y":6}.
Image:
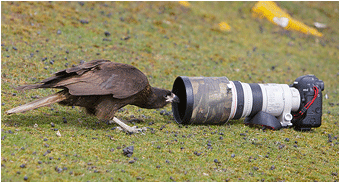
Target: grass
{"x":164,"y":40}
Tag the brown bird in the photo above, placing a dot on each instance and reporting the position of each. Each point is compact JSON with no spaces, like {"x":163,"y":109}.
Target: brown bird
{"x":101,"y":87}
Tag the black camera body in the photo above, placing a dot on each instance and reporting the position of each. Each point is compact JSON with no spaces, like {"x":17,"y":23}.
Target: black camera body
{"x":310,"y":111}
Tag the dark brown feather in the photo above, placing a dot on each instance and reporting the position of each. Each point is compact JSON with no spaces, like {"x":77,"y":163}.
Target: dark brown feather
{"x":103,"y":87}
{"x":97,"y":77}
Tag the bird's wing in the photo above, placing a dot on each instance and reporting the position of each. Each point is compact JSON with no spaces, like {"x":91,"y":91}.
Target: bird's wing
{"x":77,"y":70}
{"x":100,"y":77}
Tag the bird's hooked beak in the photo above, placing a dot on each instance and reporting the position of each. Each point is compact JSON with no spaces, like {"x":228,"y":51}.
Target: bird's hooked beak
{"x":172,"y":98}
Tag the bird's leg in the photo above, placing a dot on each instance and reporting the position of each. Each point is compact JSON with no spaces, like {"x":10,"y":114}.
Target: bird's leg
{"x":127,"y":127}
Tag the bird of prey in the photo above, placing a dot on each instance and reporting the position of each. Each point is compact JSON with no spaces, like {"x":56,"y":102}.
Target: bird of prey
{"x":101,"y":87}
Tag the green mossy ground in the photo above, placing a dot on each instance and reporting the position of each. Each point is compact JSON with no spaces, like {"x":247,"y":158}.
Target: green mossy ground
{"x":164,"y":40}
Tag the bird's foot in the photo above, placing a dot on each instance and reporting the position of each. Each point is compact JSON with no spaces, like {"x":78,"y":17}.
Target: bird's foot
{"x":127,"y":128}
{"x":133,"y":129}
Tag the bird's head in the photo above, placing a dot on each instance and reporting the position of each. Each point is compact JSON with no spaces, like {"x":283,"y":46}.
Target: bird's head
{"x":171,"y":97}
{"x":161,"y":97}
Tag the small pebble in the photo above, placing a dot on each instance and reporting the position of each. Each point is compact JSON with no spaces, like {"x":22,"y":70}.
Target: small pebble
{"x":233,"y":155}
{"x":39,"y":162}
{"x":59,"y":170}
{"x":132,"y":161}
{"x":128,"y":151}
{"x":52,"y":124}
{"x":107,"y":33}
{"x":15,"y":48}
{"x":22,"y":166}
{"x":84,"y":21}
{"x":216,"y":161}
{"x":287,"y":139}
{"x":25,"y":178}
{"x":158,"y":166}
{"x":106,"y":39}
{"x":272,"y":167}
{"x":112,"y":149}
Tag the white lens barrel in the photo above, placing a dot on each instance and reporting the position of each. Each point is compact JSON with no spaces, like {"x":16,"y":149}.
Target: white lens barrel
{"x":276,"y":99}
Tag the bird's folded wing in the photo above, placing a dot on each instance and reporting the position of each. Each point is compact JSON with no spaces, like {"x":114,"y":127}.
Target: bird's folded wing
{"x":100,"y":78}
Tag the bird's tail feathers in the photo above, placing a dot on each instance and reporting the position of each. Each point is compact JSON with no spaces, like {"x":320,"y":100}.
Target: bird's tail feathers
{"x":28,"y":87}
{"x":57,"y":97}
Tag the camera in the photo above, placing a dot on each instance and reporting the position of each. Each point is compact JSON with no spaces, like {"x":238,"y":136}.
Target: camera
{"x":216,"y":100}
{"x":310,"y":111}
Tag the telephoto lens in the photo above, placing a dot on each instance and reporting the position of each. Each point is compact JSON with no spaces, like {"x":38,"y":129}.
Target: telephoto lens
{"x":216,"y":100}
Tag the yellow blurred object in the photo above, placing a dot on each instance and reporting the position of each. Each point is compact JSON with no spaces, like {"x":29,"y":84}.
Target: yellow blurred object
{"x":224,"y":26}
{"x":184,"y":3}
{"x":277,"y":16}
